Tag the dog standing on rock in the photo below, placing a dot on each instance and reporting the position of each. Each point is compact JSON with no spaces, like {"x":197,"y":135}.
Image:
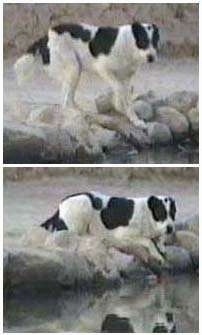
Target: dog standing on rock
{"x":113,"y":53}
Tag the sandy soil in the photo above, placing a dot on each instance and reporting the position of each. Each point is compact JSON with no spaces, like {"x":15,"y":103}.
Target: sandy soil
{"x":163,"y":78}
{"x":29,"y":202}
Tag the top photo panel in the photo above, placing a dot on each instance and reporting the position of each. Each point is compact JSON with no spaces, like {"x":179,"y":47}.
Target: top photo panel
{"x":101,"y":83}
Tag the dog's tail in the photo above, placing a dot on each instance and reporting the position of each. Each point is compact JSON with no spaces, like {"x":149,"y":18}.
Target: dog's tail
{"x":26,"y":65}
{"x":54,"y":223}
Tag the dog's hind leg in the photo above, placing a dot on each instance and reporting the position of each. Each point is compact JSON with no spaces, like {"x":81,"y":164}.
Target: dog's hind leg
{"x":70,"y":83}
{"x":71,"y":80}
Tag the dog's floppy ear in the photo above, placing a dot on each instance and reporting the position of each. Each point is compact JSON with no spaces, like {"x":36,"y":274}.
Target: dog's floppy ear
{"x":172,"y":210}
{"x":157,"y":208}
{"x":140,"y":35}
{"x":156,"y":36}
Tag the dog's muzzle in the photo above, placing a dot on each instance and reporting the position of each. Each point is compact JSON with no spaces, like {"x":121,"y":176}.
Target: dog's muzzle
{"x":169,"y":229}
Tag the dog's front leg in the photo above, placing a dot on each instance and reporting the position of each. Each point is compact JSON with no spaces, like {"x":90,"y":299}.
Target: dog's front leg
{"x":119,"y":97}
{"x":160,"y":245}
{"x":128,"y":241}
{"x":153,"y":251}
{"x":130,"y":110}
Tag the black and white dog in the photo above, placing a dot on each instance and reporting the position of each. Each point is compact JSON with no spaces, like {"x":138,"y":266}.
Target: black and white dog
{"x":147,"y":219}
{"x":113,"y":53}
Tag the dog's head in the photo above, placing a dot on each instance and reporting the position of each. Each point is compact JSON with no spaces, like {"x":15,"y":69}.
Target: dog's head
{"x":163,"y":210}
{"x":165,"y":323}
{"x":147,"y":40}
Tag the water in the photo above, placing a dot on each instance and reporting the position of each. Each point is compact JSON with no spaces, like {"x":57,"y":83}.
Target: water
{"x":158,"y":155}
{"x":171,"y":305}
{"x":125,"y":154}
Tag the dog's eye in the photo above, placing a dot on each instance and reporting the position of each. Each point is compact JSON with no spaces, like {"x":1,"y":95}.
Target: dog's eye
{"x":143,"y":44}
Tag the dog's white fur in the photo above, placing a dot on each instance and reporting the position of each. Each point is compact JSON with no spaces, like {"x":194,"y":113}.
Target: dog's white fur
{"x":70,"y":57}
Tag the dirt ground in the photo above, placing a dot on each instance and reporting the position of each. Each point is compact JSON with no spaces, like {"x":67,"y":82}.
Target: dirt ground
{"x":164,"y":77}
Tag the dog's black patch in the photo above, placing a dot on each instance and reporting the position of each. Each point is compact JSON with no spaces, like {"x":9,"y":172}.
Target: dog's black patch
{"x":117,"y":213}
{"x":155,"y":37}
{"x":103,"y":41}
{"x":159,"y":328}
{"x":157,"y":208}
{"x":169,"y":316}
{"x":140,"y":35}
{"x":172,"y":210}
{"x":54,"y":223}
{"x":96,"y":202}
{"x":41,"y":46}
{"x":75,"y":30}
{"x":115,"y":324}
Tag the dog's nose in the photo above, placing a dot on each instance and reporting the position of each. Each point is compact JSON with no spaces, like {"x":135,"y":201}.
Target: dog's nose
{"x":150,"y":58}
{"x":169,"y":230}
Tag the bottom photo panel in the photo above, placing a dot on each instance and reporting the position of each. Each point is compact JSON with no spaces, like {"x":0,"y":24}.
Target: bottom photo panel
{"x":101,"y":249}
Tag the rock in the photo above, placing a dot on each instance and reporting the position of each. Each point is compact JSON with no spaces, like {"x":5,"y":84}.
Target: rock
{"x":159,"y":133}
{"x":189,"y":241}
{"x":29,"y":144}
{"x":190,"y":224}
{"x":45,"y":115}
{"x":104,"y":102}
{"x":120,"y":124}
{"x":176,"y":121}
{"x":148,"y":97}
{"x":5,"y":267}
{"x":193,"y":117}
{"x":179,"y":259}
{"x":29,"y":267}
{"x":143,"y":110}
{"x":156,"y":103}
{"x":64,"y":259}
{"x":182,"y":101}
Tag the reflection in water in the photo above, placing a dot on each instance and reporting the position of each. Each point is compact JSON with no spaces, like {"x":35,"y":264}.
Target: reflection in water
{"x":115,"y":324}
{"x":167,"y":155}
{"x":168,"y":307}
{"x":167,"y":326}
{"x":125,"y":154}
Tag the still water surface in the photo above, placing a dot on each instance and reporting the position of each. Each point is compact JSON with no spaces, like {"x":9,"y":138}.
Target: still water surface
{"x":171,"y":306}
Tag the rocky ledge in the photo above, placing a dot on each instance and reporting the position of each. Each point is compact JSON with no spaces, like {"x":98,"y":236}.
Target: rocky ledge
{"x":72,"y":261}
{"x":173,"y":120}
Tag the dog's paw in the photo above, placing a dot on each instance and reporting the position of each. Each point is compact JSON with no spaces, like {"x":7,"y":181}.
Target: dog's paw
{"x":160,"y":259}
{"x":120,"y":102}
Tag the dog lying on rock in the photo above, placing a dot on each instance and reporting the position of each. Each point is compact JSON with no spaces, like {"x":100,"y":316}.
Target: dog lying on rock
{"x":126,"y":222}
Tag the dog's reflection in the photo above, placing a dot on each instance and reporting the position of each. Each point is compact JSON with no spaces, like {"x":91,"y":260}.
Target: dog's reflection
{"x":113,"y":323}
